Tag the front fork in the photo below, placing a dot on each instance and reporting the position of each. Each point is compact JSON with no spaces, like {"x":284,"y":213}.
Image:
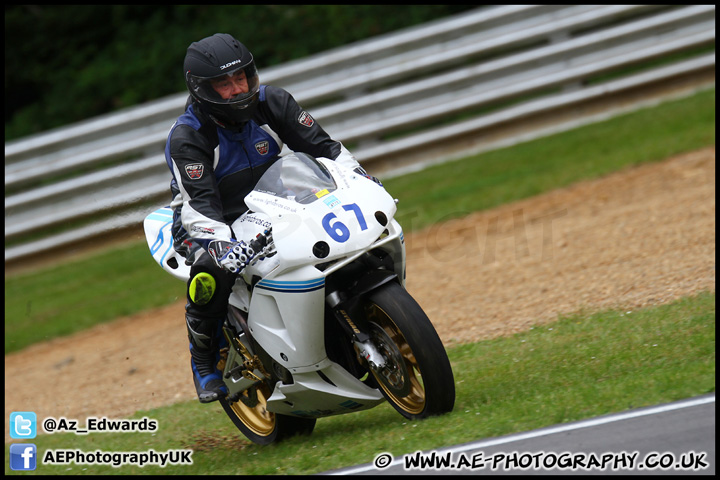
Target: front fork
{"x":348,"y":310}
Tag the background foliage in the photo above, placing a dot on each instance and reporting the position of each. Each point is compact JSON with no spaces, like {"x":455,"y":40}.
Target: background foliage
{"x":65,"y":63}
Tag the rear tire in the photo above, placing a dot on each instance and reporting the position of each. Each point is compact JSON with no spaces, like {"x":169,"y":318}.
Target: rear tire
{"x":252,"y":417}
{"x":262,"y":426}
{"x":417,"y":379}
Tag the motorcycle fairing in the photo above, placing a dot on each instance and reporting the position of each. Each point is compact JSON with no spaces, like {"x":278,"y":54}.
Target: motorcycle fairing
{"x":351,"y":215}
{"x":158,"y":234}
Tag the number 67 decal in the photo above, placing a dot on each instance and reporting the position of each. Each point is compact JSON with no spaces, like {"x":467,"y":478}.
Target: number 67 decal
{"x":338,"y":231}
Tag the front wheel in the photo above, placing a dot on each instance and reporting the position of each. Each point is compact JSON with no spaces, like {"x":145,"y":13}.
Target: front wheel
{"x":417,"y":378}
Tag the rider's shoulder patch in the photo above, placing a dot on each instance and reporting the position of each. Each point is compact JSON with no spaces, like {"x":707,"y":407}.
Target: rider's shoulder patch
{"x":194,"y":171}
{"x":305,"y":119}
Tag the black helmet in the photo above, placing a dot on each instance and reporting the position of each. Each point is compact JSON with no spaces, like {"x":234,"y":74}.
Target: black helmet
{"x":217,"y":58}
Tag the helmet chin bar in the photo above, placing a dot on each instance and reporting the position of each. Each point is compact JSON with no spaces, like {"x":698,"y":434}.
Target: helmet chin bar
{"x":227,"y":125}
{"x":222,"y":115}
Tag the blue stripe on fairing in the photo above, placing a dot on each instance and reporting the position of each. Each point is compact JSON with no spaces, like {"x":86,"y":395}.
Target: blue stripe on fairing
{"x":159,"y":242}
{"x":159,"y":218}
{"x":292,"y":286}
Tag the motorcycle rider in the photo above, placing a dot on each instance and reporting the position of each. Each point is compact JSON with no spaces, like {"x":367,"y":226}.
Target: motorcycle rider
{"x":233,"y":129}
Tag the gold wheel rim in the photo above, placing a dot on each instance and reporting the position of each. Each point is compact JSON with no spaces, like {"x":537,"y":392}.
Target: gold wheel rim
{"x":414,"y":402}
{"x":258,"y":419}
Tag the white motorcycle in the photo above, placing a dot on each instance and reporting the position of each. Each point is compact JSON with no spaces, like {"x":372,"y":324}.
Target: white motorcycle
{"x":323,"y":325}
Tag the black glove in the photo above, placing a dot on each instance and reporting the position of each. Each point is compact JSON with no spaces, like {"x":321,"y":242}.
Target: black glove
{"x":361,"y":171}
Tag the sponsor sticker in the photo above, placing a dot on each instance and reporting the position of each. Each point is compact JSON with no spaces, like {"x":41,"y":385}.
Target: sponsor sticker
{"x":331,"y":201}
{"x":194,"y":171}
{"x":322,"y":193}
{"x":254,"y":220}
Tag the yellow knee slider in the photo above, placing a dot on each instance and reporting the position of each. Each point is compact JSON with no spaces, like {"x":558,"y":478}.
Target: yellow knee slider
{"x":202,"y":288}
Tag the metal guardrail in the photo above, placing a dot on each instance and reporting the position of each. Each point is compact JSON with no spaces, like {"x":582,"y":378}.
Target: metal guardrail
{"x":381,"y":97}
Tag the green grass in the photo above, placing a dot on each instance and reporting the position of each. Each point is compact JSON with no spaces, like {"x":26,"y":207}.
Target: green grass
{"x":577,"y":367}
{"x":72,"y":297}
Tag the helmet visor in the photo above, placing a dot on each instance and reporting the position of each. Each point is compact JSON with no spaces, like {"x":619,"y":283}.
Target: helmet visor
{"x":236,"y":87}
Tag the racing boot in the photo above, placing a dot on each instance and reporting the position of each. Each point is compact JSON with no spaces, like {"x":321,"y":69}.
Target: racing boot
{"x":205,"y":336}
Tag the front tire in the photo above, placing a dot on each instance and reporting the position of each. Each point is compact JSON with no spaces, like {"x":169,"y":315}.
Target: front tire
{"x":417,"y":379}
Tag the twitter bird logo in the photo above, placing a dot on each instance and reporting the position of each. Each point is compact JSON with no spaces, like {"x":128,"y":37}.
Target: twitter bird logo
{"x":23,"y":425}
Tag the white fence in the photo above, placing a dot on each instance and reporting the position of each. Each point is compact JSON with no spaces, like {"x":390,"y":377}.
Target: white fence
{"x":392,"y":100}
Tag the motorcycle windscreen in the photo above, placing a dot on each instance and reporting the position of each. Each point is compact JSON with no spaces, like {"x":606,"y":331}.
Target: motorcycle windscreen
{"x":297,"y":177}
